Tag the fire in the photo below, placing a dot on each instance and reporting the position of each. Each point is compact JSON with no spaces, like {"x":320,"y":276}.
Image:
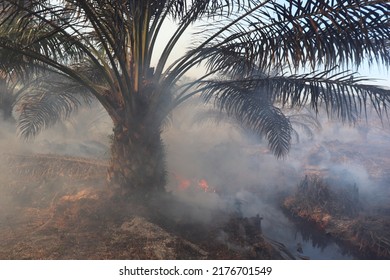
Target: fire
{"x":185,"y":184}
{"x":203,"y":185}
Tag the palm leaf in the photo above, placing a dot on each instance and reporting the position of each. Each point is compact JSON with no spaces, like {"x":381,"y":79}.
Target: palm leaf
{"x":253,"y":109}
{"x":51,"y":100}
{"x":251,"y":100}
{"x":343,"y":95}
{"x":310,"y":33}
{"x":305,"y":123}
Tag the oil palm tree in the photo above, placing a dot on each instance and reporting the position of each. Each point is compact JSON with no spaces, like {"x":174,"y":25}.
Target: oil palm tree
{"x":244,"y":41}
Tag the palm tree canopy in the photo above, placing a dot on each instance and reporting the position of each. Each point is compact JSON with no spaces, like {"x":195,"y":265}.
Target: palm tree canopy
{"x":253,"y":50}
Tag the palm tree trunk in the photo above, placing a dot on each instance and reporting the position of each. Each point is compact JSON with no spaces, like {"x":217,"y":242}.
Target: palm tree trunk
{"x":137,"y":161}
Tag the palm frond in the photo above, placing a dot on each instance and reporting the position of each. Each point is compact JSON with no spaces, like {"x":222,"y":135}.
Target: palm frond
{"x":306,"y":33}
{"x":39,"y":111}
{"x":344,"y":95}
{"x":49,"y":35}
{"x":206,"y":9}
{"x":51,"y":100}
{"x":305,"y":123}
{"x":253,"y":109}
{"x":252,"y":100}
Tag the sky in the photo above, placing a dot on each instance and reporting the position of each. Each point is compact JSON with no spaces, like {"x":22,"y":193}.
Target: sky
{"x":378,"y":72}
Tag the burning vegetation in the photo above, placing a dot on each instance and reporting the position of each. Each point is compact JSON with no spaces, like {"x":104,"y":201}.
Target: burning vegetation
{"x":184,"y":184}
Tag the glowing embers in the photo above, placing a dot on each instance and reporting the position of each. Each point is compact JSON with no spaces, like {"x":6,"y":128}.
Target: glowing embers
{"x":184,"y":184}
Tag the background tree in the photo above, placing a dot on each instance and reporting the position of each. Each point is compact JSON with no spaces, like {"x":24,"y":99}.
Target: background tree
{"x":40,"y":101}
{"x":258,"y":47}
{"x":7,"y":98}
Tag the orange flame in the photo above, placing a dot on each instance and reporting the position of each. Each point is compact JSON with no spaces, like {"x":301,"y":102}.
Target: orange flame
{"x":203,"y":185}
{"x":185,"y":184}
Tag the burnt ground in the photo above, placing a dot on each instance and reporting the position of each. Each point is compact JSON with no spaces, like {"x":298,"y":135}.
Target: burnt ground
{"x":56,"y":207}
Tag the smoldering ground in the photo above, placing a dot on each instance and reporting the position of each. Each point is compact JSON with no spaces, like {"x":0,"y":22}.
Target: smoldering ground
{"x":243,"y":177}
